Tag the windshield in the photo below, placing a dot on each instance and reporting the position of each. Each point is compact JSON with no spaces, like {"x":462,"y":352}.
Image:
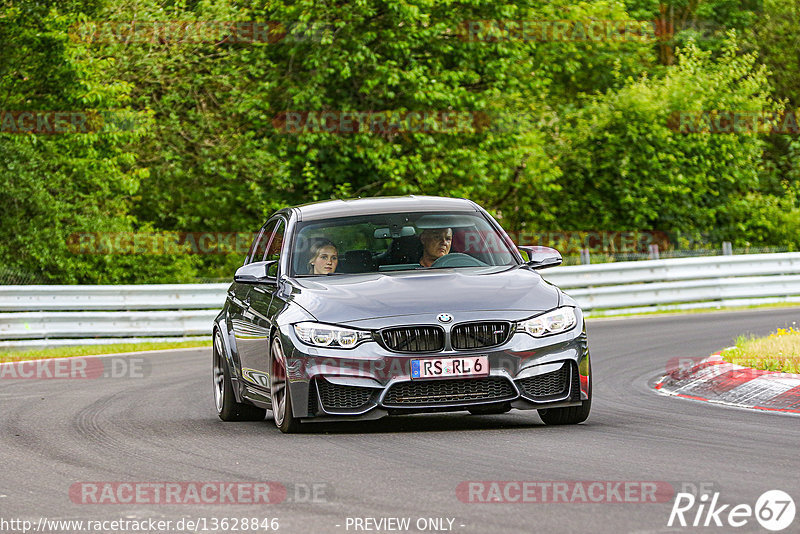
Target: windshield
{"x":398,"y":242}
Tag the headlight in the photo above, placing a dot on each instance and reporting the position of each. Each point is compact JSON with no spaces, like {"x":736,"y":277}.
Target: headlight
{"x":552,"y":322}
{"x":324,"y":335}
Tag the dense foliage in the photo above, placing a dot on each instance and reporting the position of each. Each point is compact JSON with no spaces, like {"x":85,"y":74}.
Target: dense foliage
{"x":571,"y":128}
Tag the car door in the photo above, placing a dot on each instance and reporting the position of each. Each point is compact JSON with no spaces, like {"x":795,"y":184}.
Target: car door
{"x":260,"y":315}
{"x":239,"y":294}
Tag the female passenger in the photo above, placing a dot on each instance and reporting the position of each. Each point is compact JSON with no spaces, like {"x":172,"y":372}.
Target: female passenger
{"x":324,"y":257}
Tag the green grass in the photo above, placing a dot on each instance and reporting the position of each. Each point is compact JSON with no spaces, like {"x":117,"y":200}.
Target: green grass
{"x":92,"y":350}
{"x":779,"y":351}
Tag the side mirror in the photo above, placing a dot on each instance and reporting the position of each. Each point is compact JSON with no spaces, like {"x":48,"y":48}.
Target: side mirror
{"x":255,"y":273}
{"x":541,"y":257}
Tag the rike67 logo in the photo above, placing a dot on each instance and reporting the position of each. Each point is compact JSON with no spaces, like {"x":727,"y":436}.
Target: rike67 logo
{"x":774,"y":510}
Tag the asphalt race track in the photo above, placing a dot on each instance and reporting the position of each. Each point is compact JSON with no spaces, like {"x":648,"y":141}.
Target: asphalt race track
{"x":162,"y":428}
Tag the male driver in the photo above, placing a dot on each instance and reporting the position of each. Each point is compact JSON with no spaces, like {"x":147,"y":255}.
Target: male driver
{"x":436,"y":243}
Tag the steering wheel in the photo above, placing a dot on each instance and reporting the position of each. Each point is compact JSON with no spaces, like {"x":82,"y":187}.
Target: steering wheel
{"x":457,"y":259}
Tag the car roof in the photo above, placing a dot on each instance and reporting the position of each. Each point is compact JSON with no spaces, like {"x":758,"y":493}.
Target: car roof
{"x":367,"y":206}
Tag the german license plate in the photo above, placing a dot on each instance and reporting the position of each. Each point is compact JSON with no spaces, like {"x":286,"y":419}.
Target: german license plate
{"x":450,"y":367}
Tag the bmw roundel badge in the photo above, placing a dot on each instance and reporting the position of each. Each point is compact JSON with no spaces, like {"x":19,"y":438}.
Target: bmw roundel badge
{"x":444,"y":317}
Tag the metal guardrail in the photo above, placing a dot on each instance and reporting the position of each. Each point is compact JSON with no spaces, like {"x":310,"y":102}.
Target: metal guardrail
{"x":622,"y":273}
{"x":47,"y":315}
{"x":119,"y":297}
{"x":681,"y":283}
{"x":45,"y":325}
{"x":43,"y":315}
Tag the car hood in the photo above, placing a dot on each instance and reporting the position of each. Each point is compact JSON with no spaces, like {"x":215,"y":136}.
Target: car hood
{"x":354,"y":297}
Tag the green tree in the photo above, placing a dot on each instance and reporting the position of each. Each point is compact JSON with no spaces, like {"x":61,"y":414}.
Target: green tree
{"x":55,"y":186}
{"x":628,"y":168}
{"x":703,"y":22}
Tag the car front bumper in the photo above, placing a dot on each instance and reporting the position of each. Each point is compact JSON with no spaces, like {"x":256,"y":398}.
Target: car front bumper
{"x":370,"y":381}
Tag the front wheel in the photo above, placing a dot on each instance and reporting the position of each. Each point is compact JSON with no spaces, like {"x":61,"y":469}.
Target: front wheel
{"x":571,"y":415}
{"x":224,"y":399}
{"x":279,"y":392}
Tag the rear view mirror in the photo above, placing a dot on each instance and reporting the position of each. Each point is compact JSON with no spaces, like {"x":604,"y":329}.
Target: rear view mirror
{"x":394,"y":231}
{"x":541,"y":257}
{"x":254,"y":273}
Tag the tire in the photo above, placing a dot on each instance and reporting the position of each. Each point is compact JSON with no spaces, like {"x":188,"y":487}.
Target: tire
{"x":224,"y":399}
{"x":571,"y":415}
{"x":490,"y":410}
{"x":279,"y":392}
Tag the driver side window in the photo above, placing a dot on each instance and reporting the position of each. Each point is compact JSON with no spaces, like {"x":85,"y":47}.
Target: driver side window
{"x":274,"y":249}
{"x":259,"y":247}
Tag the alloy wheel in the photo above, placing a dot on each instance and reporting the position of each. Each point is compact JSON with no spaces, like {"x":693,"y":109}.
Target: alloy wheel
{"x":277,"y":383}
{"x":218,"y":374}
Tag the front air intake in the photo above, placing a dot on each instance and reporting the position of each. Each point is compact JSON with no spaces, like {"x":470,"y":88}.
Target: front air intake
{"x":479,"y":335}
{"x":413,"y":339}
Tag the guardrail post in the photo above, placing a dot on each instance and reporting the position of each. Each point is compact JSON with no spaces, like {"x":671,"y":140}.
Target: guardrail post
{"x":653,"y":252}
{"x":585,"y":259}
{"x":727,"y":248}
